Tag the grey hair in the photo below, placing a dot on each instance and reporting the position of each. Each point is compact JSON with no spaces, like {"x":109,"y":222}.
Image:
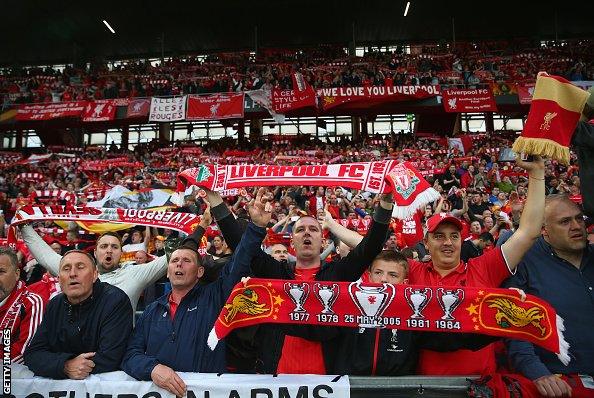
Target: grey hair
{"x":12,"y":256}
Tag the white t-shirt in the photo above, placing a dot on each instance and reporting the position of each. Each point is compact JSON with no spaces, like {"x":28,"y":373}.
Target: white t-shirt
{"x":133,"y":247}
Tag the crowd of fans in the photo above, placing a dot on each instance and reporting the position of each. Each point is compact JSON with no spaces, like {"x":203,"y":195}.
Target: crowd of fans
{"x":100,"y":295}
{"x":468,"y":64}
{"x":484,"y":192}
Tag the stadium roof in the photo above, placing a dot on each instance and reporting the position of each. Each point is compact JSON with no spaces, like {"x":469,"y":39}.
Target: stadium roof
{"x":62,"y":31}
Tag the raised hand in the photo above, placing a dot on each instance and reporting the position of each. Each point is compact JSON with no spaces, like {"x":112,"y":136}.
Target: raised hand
{"x":535,"y":168}
{"x":260,"y":209}
{"x":206,"y":218}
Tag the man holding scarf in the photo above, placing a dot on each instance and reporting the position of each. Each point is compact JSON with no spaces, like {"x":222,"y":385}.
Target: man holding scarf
{"x":302,"y":350}
{"x":444,"y":242}
{"x":131,"y":278}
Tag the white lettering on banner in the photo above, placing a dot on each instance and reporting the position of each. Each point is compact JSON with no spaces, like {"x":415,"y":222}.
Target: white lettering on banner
{"x":203,"y":385}
{"x":6,"y":370}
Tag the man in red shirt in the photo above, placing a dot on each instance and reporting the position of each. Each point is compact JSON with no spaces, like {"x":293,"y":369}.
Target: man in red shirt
{"x":444,"y":242}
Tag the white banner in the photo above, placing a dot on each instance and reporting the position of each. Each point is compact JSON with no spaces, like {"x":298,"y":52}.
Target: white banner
{"x":122,"y":198}
{"x":199,"y":385}
{"x":167,"y":109}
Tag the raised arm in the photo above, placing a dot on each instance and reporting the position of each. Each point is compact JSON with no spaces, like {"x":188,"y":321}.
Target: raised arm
{"x":42,"y":252}
{"x":356,"y":262}
{"x":532,"y":216}
{"x":350,"y":238}
{"x":249,"y":245}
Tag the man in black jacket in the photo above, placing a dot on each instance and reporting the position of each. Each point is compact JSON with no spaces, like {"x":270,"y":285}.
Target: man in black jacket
{"x":85,"y":328}
{"x":303,"y":349}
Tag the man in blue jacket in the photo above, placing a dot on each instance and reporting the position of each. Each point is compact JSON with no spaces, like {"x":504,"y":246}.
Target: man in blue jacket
{"x":171,"y":334}
{"x":559,"y":268}
{"x":84,"y":329}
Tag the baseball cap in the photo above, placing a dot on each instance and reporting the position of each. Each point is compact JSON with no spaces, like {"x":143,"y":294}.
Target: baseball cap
{"x":435,"y":220}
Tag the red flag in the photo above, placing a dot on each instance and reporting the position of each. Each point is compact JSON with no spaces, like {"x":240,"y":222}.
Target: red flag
{"x":555,"y":111}
{"x":215,"y":106}
{"x":463,"y":144}
{"x":301,"y":96}
{"x":525,"y":92}
{"x":99,"y":111}
{"x":139,"y":107}
{"x":469,"y":100}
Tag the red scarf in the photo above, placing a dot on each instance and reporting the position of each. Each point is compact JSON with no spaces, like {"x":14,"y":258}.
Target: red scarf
{"x":496,"y":312}
{"x":554,"y":113}
{"x":409,"y":188}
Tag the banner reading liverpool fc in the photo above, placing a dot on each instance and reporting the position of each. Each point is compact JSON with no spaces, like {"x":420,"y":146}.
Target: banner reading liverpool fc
{"x":496,"y":312}
{"x":167,"y":109}
{"x":215,"y":106}
{"x":373,"y":95}
{"x":469,"y":100}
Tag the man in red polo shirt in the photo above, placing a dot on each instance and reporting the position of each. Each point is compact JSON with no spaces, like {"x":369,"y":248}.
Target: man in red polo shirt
{"x":444,"y":242}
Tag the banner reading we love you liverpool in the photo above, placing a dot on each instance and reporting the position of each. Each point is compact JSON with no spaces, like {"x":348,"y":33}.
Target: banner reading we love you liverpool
{"x":496,"y":312}
{"x":344,"y":97}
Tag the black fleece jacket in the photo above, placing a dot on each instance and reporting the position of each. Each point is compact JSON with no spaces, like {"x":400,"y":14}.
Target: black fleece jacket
{"x":100,"y":324}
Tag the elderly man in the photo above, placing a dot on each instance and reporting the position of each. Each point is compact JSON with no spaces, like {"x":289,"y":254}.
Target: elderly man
{"x":84,"y":329}
{"x":20,"y":310}
{"x":172,"y":332}
{"x":559,"y":268}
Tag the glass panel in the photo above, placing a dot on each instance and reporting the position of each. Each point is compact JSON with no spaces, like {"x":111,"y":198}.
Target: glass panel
{"x":498,"y":124}
{"x":514,"y":124}
{"x":99,"y":139}
{"x":288,"y":129}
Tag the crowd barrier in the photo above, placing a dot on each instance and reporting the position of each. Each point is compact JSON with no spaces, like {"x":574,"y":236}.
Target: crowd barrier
{"x":207,"y":385}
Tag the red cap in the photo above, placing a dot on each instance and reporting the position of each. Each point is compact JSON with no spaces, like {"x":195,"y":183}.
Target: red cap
{"x":435,"y":220}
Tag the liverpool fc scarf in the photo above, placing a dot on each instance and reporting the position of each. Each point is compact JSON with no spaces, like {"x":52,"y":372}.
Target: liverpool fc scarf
{"x":496,"y":312}
{"x":182,"y":222}
{"x":555,"y":111}
{"x":409,"y":188}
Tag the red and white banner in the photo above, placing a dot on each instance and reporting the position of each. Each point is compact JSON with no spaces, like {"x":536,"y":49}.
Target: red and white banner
{"x":301,"y":96}
{"x":525,"y":92}
{"x":288,"y":100}
{"x":99,"y":111}
{"x":471,"y":100}
{"x":53,"y":110}
{"x":432,"y":172}
{"x":461,"y":144}
{"x":373,"y":95}
{"x":167,"y":109}
{"x":182,"y":222}
{"x":215,"y":106}
{"x":139,"y":107}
